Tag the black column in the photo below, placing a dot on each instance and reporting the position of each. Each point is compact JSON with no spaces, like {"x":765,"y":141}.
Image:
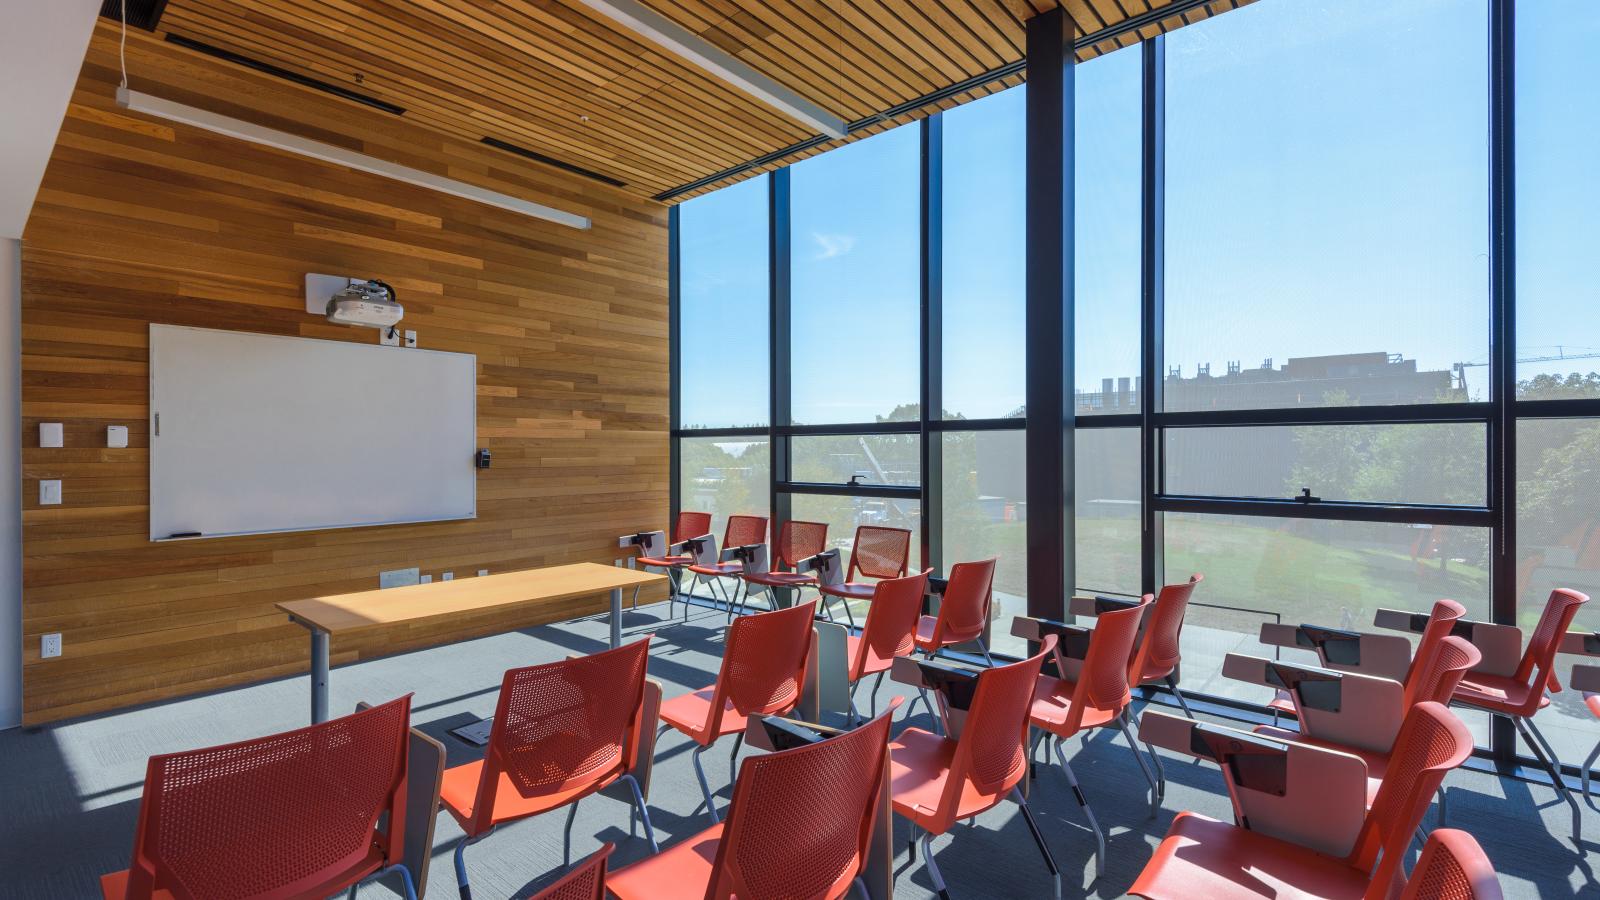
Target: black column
{"x":932,"y":324}
{"x":778,"y":344}
{"x":1502,"y":338}
{"x":1049,"y":313}
{"x":674,"y":371}
{"x":1153,"y":305}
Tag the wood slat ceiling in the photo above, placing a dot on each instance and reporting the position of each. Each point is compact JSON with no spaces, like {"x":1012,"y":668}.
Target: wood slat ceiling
{"x":563,"y":81}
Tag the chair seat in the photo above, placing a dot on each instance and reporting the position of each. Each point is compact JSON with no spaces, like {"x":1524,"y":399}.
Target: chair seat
{"x":924,"y":639}
{"x":1377,"y":763}
{"x":919,"y":766}
{"x":115,"y":887}
{"x":459,"y":792}
{"x":1202,"y":857}
{"x":1499,"y":693}
{"x":850,"y":590}
{"x":1593,"y":702}
{"x":680,"y":872}
{"x":690,"y":714}
{"x":719,"y":569}
{"x":1052,"y":704}
{"x":665,"y":562}
{"x":1282,"y":702}
{"x":782,"y":579}
{"x":870,"y":666}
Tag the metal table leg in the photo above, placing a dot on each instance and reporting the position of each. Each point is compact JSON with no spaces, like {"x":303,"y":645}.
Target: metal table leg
{"x":319,"y":676}
{"x":616,"y":618}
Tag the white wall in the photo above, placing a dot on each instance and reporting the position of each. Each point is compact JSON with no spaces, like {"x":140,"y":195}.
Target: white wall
{"x":10,"y":482}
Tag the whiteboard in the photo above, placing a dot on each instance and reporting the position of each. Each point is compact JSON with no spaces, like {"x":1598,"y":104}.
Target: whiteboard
{"x":256,"y":433}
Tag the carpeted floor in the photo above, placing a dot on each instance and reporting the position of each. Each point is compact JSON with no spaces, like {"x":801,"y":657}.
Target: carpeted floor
{"x":69,"y":793}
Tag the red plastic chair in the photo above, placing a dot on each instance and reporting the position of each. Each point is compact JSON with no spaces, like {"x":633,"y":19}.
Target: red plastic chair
{"x":799,"y":827}
{"x":586,"y":882}
{"x":937,"y":781}
{"x":796,"y":541}
{"x":963,"y":612}
{"x":1452,"y":867}
{"x":764,"y":662}
{"x":1099,"y":697}
{"x":741,"y":531}
{"x":1202,"y":857}
{"x":688,"y":525}
{"x":888,"y":633}
{"x":878,"y":552}
{"x":1159,"y":650}
{"x":561,"y":732}
{"x":288,"y":815}
{"x":1526,"y":691}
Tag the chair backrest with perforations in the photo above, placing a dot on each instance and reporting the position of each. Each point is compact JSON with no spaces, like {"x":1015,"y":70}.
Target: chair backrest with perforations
{"x":563,"y":724}
{"x":586,"y":882}
{"x":1452,"y":867}
{"x":891,"y":626}
{"x":801,"y":820}
{"x":880,"y":552}
{"x":764,"y":660}
{"x":1441,"y":620}
{"x":691,"y":525}
{"x":744,"y":530}
{"x":1432,"y":741}
{"x":991,"y":755}
{"x":1539,"y":658}
{"x":1158,"y":651}
{"x":799,"y":540}
{"x":1435,"y":676}
{"x":964,"y":608}
{"x":1103,"y":679}
{"x":287,"y":815}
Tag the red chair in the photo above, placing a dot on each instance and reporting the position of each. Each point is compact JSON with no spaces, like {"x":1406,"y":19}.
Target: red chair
{"x":1097,"y":697}
{"x":799,"y":827}
{"x":1159,"y":650}
{"x":963,"y":611}
{"x":889,"y":633}
{"x":1518,"y":696}
{"x":937,"y":781}
{"x":1452,"y":867}
{"x":688,"y":525}
{"x":295,"y":814}
{"x":740,"y":531}
{"x":764,"y":662}
{"x":561,"y":732}
{"x":796,"y":541}
{"x":586,"y":882}
{"x":1202,"y":857}
{"x":878,"y":552}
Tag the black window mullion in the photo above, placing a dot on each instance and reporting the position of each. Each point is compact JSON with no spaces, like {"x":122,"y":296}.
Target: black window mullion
{"x":674,"y":368}
{"x":778,"y":344}
{"x":1152,"y":264}
{"x":1502,"y":339}
{"x":932,"y":323}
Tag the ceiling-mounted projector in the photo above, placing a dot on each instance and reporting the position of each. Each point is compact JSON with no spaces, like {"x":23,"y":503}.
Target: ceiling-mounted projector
{"x":368,"y":302}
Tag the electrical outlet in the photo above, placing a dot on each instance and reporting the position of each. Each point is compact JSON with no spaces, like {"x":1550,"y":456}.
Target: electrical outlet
{"x":50,"y":646}
{"x":482,"y":572}
{"x":50,"y":434}
{"x":426,"y":579}
{"x":448,"y":576}
{"x":389,"y":337}
{"x":411,"y":338}
{"x":116,"y":436}
{"x":50,"y":493}
{"x":399,"y":577}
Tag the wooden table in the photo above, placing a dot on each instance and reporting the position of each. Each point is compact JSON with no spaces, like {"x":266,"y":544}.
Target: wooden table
{"x":442,"y":601}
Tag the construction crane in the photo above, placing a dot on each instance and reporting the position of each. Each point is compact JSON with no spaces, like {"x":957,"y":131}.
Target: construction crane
{"x":1560,"y":355}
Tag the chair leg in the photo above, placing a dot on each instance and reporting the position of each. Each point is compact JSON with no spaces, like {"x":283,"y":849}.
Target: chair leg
{"x":1094,"y":824}
{"x":462,"y":886}
{"x":860,"y":884}
{"x":1553,"y":767}
{"x":733,"y":758}
{"x":1588,"y":764}
{"x":643,"y":812}
{"x":1038,"y":838}
{"x":1439,"y":823}
{"x":933,"y":867}
{"x":566,"y":833}
{"x":636,"y":597}
{"x":1172,"y":683}
{"x":1155,"y":790}
{"x":1161,"y":775}
{"x":705,"y":787}
{"x":879,"y":683}
{"x":987,"y":659}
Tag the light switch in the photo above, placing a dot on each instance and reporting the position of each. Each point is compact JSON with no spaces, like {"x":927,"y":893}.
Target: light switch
{"x":50,"y":434}
{"x":116,"y":436}
{"x":49,"y":493}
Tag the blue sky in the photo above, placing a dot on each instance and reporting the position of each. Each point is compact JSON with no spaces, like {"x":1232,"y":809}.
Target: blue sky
{"x":1326,"y":193}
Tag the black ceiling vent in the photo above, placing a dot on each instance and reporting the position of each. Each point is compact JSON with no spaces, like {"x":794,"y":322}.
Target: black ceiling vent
{"x":279,"y":72}
{"x":552,"y":161}
{"x":144,"y":14}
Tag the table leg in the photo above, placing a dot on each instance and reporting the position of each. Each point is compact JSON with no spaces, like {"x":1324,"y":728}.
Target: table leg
{"x":319,"y":676}
{"x":616,"y":618}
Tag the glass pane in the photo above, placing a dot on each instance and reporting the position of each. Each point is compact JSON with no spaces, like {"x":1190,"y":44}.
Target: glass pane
{"x":1558,"y":198}
{"x":844,"y":514}
{"x":870,"y":458}
{"x":1300,"y":571}
{"x":1106,"y":194}
{"x":1107,"y":508}
{"x":1558,"y":545}
{"x":985,"y":514}
{"x":724,"y":476}
{"x":1436,"y":463}
{"x":723,"y":295}
{"x":1327,"y":205}
{"x":857,"y":287}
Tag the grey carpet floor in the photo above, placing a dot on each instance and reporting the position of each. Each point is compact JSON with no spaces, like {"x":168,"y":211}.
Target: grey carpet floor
{"x":69,"y":793}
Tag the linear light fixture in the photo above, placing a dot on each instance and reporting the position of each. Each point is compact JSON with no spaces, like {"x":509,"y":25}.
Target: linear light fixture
{"x":669,"y":35}
{"x":135,"y":101}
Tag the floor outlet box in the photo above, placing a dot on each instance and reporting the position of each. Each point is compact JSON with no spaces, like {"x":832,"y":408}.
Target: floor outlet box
{"x":50,"y":646}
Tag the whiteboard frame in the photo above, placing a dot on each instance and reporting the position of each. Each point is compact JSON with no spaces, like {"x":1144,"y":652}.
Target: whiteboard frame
{"x":152,"y":413}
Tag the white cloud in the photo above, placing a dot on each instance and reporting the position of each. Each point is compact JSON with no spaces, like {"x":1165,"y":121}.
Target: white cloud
{"x":831,"y":245}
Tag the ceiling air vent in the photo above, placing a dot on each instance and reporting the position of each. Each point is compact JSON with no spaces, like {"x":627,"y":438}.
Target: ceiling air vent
{"x":552,"y":161}
{"x":144,"y":14}
{"x":267,"y":68}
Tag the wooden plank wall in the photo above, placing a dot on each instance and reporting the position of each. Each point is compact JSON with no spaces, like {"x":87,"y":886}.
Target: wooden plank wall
{"x":142,"y":221}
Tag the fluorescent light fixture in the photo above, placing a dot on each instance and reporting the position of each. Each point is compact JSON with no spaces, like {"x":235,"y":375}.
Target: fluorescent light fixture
{"x":669,"y":35}
{"x":293,"y":143}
